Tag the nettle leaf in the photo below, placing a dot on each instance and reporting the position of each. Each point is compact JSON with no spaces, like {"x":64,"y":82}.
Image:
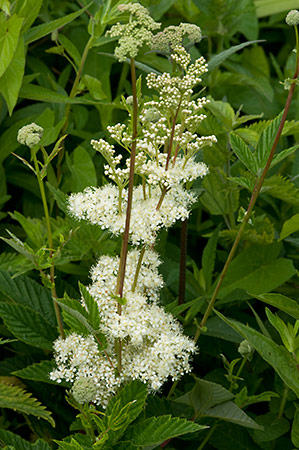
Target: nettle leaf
{"x":261,"y":232}
{"x":290,"y":226}
{"x":244,"y":153}
{"x":15,"y":398}
{"x":265,"y":142}
{"x":39,"y":372}
{"x":134,"y":393}
{"x":281,"y":302}
{"x":17,"y":443}
{"x":40,"y":31}
{"x":157,"y":430}
{"x":277,"y":356}
{"x":25,"y":291}
{"x":28,"y":325}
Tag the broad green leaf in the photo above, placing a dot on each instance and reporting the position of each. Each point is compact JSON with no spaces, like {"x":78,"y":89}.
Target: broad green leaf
{"x":268,"y":8}
{"x":204,"y":395}
{"x":11,"y":80}
{"x":295,"y":428}
{"x":219,"y":329}
{"x":290,"y":226}
{"x":282,"y":329}
{"x":223,"y":112}
{"x":28,"y":325}
{"x":277,"y":356}
{"x":34,"y":228}
{"x":9,"y":37}
{"x":40,"y":31}
{"x":25,"y":291}
{"x":157,"y":430}
{"x":38,"y":372}
{"x":243,"y":152}
{"x":258,"y":270}
{"x":92,"y":306}
{"x":265,"y":142}
{"x":29,"y":10}
{"x":9,"y":438}
{"x":82,"y":169}
{"x":274,"y":427}
{"x":230,"y":412}
{"x":283,"y":154}
{"x":208,"y":259}
{"x":135,"y":392}
{"x":15,"y":398}
{"x":95,"y":87}
{"x":221,"y":57}
{"x":42,"y":94}
{"x":281,"y":302}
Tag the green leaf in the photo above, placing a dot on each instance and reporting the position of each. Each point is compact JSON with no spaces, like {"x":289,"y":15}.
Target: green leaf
{"x":38,"y":372}
{"x":70,"y":48}
{"x":94,"y":86}
{"x":223,"y":112}
{"x":75,"y":315}
{"x":265,"y":142}
{"x":157,"y":430}
{"x":73,"y":445}
{"x":40,"y":31}
{"x":15,"y":398}
{"x":283,"y":154}
{"x":290,"y":226}
{"x":282,"y":329}
{"x":204,"y":395}
{"x":221,"y":57}
{"x":281,"y":302}
{"x":258,"y":270}
{"x":243,"y":152}
{"x":277,"y":356}
{"x":208,"y":259}
{"x":230,"y":412}
{"x":27,"y":325}
{"x":220,"y":196}
{"x":274,"y":427}
{"x":92,"y":306}
{"x":295,"y":428}
{"x":268,"y":8}
{"x":282,"y":188}
{"x":9,"y":37}
{"x":42,"y":94}
{"x":82,"y":169}
{"x":25,"y":291}
{"x":11,"y":80}
{"x":135,"y":392}
{"x":9,"y":438}
{"x":29,"y":10}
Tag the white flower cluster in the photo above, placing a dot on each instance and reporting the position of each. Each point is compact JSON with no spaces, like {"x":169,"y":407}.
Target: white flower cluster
{"x":154,"y":347}
{"x":106,"y":207}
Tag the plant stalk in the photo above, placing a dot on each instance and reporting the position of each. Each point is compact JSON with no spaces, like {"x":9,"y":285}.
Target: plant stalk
{"x":183,"y":260}
{"x":255,"y":193}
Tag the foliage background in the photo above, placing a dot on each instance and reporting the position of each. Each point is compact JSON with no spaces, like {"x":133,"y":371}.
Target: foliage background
{"x":38,"y":84}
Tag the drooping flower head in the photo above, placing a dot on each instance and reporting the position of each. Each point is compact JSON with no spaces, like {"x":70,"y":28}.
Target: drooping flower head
{"x":30,"y":135}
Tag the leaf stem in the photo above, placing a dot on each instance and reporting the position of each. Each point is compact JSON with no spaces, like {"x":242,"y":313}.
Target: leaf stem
{"x":255,"y":193}
{"x":50,"y":241}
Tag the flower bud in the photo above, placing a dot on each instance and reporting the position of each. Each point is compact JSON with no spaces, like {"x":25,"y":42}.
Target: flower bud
{"x":152,"y":115}
{"x":30,"y":135}
{"x":129,"y":100}
{"x":292,"y":18}
{"x":84,"y":390}
{"x":246,"y":350}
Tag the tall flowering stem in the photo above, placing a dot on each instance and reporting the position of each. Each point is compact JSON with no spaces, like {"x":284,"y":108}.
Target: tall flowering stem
{"x":254,"y":196}
{"x":125,"y":239}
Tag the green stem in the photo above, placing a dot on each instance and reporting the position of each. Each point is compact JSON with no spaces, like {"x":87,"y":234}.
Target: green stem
{"x":253,"y":199}
{"x":210,"y":432}
{"x":125,"y":239}
{"x":89,"y":430}
{"x":138,"y":267}
{"x":283,"y":402}
{"x":50,"y":242}
{"x":183,"y":261}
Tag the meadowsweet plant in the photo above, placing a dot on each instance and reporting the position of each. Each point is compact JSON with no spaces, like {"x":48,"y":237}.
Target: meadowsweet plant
{"x":144,"y":193}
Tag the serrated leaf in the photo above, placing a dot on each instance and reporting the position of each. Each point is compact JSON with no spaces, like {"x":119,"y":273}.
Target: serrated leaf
{"x":157,"y":430}
{"x":73,"y":445}
{"x":243,"y":152}
{"x":277,"y":356}
{"x":282,"y":188}
{"x":15,"y":398}
{"x":135,"y":392}
{"x":245,"y":182}
{"x":40,"y":31}
{"x":265,"y":142}
{"x":28,"y":325}
{"x":11,"y":439}
{"x":38,"y":372}
{"x":281,"y":302}
{"x":230,"y":412}
{"x":290,"y":226}
{"x":75,"y":315}
{"x":283,"y":154}
{"x":92,"y":307}
{"x":25,"y":291}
